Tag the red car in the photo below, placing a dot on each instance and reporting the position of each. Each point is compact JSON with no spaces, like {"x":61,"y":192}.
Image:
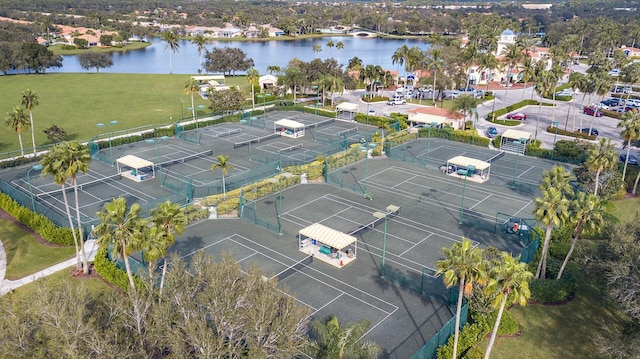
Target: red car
{"x":591,"y":111}
{"x":517,"y":116}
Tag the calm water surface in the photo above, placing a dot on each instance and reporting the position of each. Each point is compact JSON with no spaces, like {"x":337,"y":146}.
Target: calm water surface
{"x":155,"y":58}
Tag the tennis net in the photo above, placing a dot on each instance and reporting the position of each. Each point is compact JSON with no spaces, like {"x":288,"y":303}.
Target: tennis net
{"x":294,"y":268}
{"x":496,"y":157}
{"x":347,"y":132}
{"x":81,"y":186}
{"x":228,"y":133}
{"x":256,"y":140}
{"x":184,"y":159}
{"x":292,"y":148}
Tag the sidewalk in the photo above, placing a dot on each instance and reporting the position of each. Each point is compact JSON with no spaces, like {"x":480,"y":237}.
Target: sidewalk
{"x":91,"y":247}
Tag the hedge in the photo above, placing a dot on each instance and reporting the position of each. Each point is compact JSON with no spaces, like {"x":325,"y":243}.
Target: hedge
{"x":466,"y":136}
{"x":37,"y":222}
{"x":551,"y":290}
{"x":110,"y":272}
{"x":577,"y":134}
{"x":468,"y":339}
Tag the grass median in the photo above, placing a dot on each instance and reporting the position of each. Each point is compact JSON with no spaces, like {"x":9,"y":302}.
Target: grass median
{"x":77,"y":102}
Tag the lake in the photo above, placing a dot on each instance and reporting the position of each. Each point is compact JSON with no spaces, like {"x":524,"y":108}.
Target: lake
{"x":155,"y":58}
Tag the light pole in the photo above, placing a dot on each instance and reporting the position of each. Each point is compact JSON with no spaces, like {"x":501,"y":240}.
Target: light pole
{"x":36,"y":168}
{"x":515,"y":168}
{"x":465,"y":173}
{"x":553,"y":150}
{"x":364,"y":146}
{"x":285,"y":175}
{"x":199,"y":107}
{"x":108,"y":126}
{"x":264,"y":101}
{"x":248,"y":123}
{"x":157,"y":142}
{"x":181,"y":109}
{"x":367,"y":119}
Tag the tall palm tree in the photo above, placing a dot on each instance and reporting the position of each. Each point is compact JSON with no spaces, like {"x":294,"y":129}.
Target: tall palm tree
{"x":339,"y":46}
{"x":336,"y":85}
{"x":510,"y":279}
{"x":170,"y":218}
{"x":252,"y":77}
{"x":558,"y":178}
{"x":29,"y":100}
{"x":191,"y":87}
{"x":528,"y":73}
{"x":355,"y":64}
{"x":316,"y":49}
{"x":631,"y":74}
{"x":53,"y":165}
{"x":76,"y":159}
{"x":587,"y":214}
{"x":465,"y":103}
{"x":544,"y":85}
{"x":601,"y":158}
{"x":172,"y":44}
{"x":434,"y":63}
{"x":121,"y":229}
{"x":17,"y":121}
{"x":577,"y":81}
{"x":330,"y":45}
{"x":556,"y":73}
{"x":470,"y":54}
{"x":488,"y":62}
{"x":551,"y":210}
{"x":293,"y":76}
{"x":200,"y":40}
{"x":336,"y":341}
{"x":512,"y":56}
{"x":400,"y":56}
{"x":273,"y":69}
{"x":225,"y":166}
{"x":631,"y":124}
{"x":462,"y":266}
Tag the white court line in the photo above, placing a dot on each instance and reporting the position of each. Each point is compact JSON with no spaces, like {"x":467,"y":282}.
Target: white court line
{"x":415,"y":244}
{"x":522,"y":209}
{"x":487,"y":197}
{"x":247,"y":257}
{"x":530,"y":168}
{"x":329,"y":302}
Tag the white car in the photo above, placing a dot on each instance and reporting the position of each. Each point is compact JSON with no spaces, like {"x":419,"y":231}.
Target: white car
{"x":565,"y":92}
{"x":396,"y":101}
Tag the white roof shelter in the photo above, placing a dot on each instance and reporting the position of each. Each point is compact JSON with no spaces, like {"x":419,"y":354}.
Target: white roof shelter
{"x":285,"y":122}
{"x":348,"y":107}
{"x":516,"y":135}
{"x":515,"y":141}
{"x":134,"y":162}
{"x":135,"y":168}
{"x":462,"y":161}
{"x":289,"y":128}
{"x":475,"y":169}
{"x":328,"y":236}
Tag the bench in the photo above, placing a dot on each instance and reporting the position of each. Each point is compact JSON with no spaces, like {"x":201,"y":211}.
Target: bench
{"x":325,"y":250}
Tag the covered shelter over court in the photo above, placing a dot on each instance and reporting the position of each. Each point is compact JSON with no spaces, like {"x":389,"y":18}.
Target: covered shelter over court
{"x":289,"y":128}
{"x":135,"y":168}
{"x":327,"y":244}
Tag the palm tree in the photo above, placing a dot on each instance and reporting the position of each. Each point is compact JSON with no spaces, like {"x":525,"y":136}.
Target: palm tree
{"x":434,"y":63}
{"x":544,"y":85}
{"x":528,"y":73}
{"x":225,"y":166}
{"x":631,"y":74}
{"x":170,"y":218}
{"x":52,"y":165}
{"x":330,"y":45}
{"x":577,"y":81}
{"x":587,"y":213}
{"x":355,"y":64}
{"x":631,"y":124}
{"x":316,"y":49}
{"x":172,"y":43}
{"x":335,"y":341}
{"x":273,"y":69}
{"x":470,"y":54}
{"x":464,"y":103}
{"x":336,"y":85}
{"x":601,"y":158}
{"x":293,"y":76}
{"x":512,"y":56}
{"x":558,"y":178}
{"x":556,"y":73}
{"x":550,"y":211}
{"x":121,"y":229}
{"x":252,"y":78}
{"x":17,"y":120}
{"x":339,"y":46}
{"x":510,"y":279}
{"x":76,"y":158}
{"x":463,"y":266}
{"x":29,"y":100}
{"x":191,"y":87}
{"x":200,"y":40}
{"x":488,"y":62}
{"x":400,"y":56}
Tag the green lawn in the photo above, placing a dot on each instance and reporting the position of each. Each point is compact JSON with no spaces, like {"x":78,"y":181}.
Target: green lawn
{"x":77,"y":102}
{"x":25,"y":255}
{"x":626,"y":210}
{"x":57,"y":49}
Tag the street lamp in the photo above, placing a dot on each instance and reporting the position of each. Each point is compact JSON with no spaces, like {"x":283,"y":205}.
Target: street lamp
{"x":385,"y":215}
{"x":181,"y":109}
{"x":248,"y":123}
{"x":264,"y":101}
{"x":36,"y":168}
{"x":465,"y":173}
{"x":195,"y":112}
{"x":108,"y":126}
{"x":157,"y":142}
{"x":515,"y":169}
{"x":367,"y":119}
{"x":555,"y":124}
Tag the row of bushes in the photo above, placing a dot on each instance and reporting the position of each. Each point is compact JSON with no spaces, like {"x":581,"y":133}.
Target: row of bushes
{"x":37,"y":222}
{"x":467,"y":136}
{"x":109,"y":271}
{"x":577,"y":134}
{"x":492,"y":116}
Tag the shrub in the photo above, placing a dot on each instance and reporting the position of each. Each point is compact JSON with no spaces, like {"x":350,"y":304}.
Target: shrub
{"x":470,"y":336}
{"x":468,"y":136}
{"x":551,"y":290}
{"x":560,"y":242}
{"x":577,"y":134}
{"x":492,"y":116}
{"x":110,"y":271}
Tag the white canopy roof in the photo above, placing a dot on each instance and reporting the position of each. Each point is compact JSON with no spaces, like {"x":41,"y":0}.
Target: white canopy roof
{"x":462,"y":161}
{"x":427,"y":118}
{"x":516,"y":135}
{"x":134,"y":162}
{"x":285,"y":122}
{"x":328,"y":236}
{"x":348,"y":107}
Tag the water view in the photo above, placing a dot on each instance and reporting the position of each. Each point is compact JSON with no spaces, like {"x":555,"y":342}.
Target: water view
{"x":155,"y":59}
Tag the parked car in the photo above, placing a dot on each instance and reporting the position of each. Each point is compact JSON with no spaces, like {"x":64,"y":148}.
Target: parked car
{"x":565,"y":92}
{"x":396,"y":101}
{"x":612,"y":102}
{"x":594,"y":131}
{"x":452,"y":94}
{"x":372,"y":112}
{"x":517,"y":116}
{"x":492,"y":132}
{"x":626,"y":109}
{"x":632,"y":159}
{"x":614,"y":72}
{"x":468,"y":89}
{"x":478,"y":93}
{"x":588,"y":110}
{"x":632,"y":102}
{"x":622,"y":89}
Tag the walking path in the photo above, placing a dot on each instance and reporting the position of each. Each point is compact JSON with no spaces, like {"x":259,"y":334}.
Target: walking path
{"x":91,"y":247}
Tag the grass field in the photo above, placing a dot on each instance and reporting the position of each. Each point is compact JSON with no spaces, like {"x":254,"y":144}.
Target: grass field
{"x":57,"y":49}
{"x":25,"y":255}
{"x":77,"y":102}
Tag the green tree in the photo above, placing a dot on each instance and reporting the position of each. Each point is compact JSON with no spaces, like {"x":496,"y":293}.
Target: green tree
{"x":578,"y":82}
{"x":97,"y":60}
{"x":226,"y":100}
{"x":191,"y":87}
{"x":544,"y":85}
{"x":121,"y":229}
{"x":330,"y":45}
{"x":252,"y":78}
{"x":339,"y":46}
{"x":316,"y":49}
{"x":601,"y":158}
{"x":587,"y":215}
{"x":172,"y":44}
{"x":510,"y":279}
{"x":17,"y":121}
{"x":551,"y":210}
{"x":528,"y":73}
{"x":225,"y":166}
{"x":335,"y":341}
{"x":631,"y":132}
{"x":200,"y":41}
{"x":434,"y":63}
{"x":558,"y":178}
{"x":29,"y":99}
{"x":171,"y":220}
{"x":355,"y":64}
{"x":462,"y":266}
{"x":293,"y":77}
{"x":464,"y":104}
{"x":273,"y":69}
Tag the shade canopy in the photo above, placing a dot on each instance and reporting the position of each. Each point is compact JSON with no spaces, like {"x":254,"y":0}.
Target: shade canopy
{"x":134,"y":162}
{"x":285,"y":122}
{"x":348,"y":107}
{"x":516,"y":135}
{"x":462,"y":161}
{"x":328,"y":236}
